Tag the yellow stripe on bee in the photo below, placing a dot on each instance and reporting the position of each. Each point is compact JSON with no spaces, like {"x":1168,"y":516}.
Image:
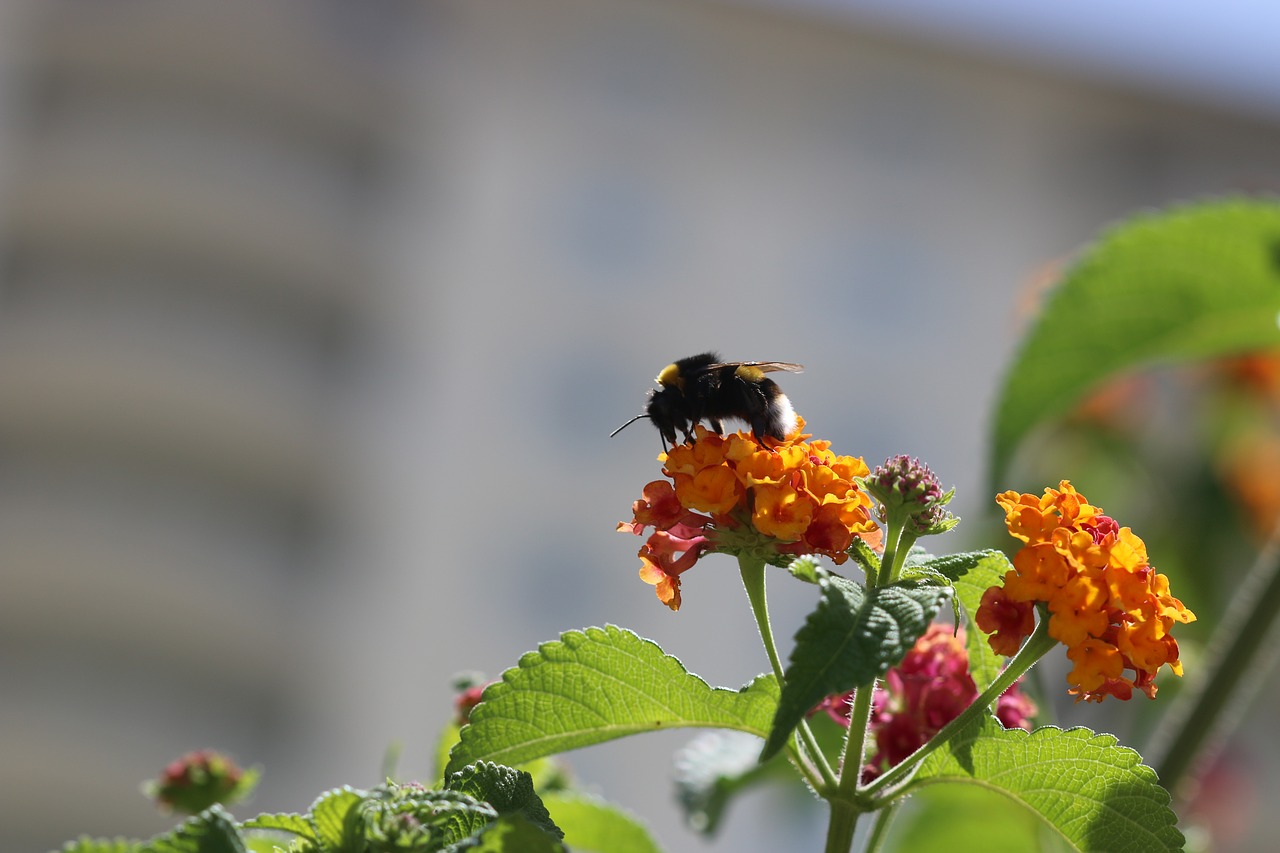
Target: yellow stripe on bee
{"x":749,"y":373}
{"x":670,"y":377}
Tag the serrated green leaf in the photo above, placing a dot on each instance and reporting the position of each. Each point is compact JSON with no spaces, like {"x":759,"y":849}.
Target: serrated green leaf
{"x":293,"y":823}
{"x":85,"y":844}
{"x":508,"y":790}
{"x":337,"y":822}
{"x":916,"y":567}
{"x":714,"y":767}
{"x":211,"y":831}
{"x":549,"y":774}
{"x":1096,"y":794}
{"x":985,"y":569}
{"x":597,"y":685}
{"x":593,"y":825}
{"x":850,"y":639}
{"x":413,"y":817}
{"x":955,"y":566}
{"x":924,"y":574}
{"x":511,"y":834}
{"x":1195,"y":282}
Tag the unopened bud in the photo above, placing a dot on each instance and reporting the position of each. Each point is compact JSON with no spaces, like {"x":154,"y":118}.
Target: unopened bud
{"x":199,"y":780}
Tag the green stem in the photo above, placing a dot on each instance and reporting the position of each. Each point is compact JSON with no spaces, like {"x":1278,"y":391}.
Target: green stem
{"x":880,"y":829}
{"x":1236,"y":662}
{"x":889,"y":560}
{"x":752,"y":571}
{"x":753,"y":580}
{"x":846,"y":806}
{"x":905,"y":541}
{"x":855,"y":746}
{"x":1036,"y":647}
{"x":815,"y":754}
{"x":844,"y":820}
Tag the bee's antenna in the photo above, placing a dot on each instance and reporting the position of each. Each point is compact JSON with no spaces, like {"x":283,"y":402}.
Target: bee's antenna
{"x":628,"y":423}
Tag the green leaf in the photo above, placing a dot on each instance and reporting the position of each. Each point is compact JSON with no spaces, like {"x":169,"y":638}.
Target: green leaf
{"x":337,"y":821}
{"x":511,"y":834}
{"x":211,"y":831}
{"x":412,"y":817}
{"x":272,"y":843}
{"x":805,"y":569}
{"x":591,"y":824}
{"x":924,"y":574}
{"x":1194,"y":282}
{"x":985,"y":570}
{"x":549,"y":774}
{"x":1097,"y":795}
{"x":849,"y":640}
{"x":596,"y":685}
{"x":714,"y":767}
{"x":917,"y":567}
{"x":948,"y":818}
{"x":294,"y":823}
{"x":865,"y":557}
{"x":953,"y":566}
{"x":508,"y":790}
{"x":85,"y":844}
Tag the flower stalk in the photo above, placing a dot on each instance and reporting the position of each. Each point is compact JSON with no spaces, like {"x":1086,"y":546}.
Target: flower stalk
{"x":890,"y":562}
{"x":843,"y":825}
{"x":846,"y":807}
{"x":752,"y":570}
{"x":880,"y":829}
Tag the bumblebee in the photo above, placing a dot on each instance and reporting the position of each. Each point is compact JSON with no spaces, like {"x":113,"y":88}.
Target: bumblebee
{"x":702,"y":387}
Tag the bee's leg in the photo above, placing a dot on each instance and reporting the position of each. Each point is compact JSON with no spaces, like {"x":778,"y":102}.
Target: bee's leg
{"x":688,"y":431}
{"x":760,"y":429}
{"x":716,"y":426}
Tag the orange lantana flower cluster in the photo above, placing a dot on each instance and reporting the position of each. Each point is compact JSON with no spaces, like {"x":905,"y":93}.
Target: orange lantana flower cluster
{"x":1108,"y":606}
{"x":738,"y":495}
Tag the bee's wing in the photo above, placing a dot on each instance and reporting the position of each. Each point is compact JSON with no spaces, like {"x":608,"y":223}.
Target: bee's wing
{"x":762,"y":366}
{"x":775,"y":366}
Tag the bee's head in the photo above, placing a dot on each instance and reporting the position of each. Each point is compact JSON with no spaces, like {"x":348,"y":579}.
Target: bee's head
{"x":664,"y":410}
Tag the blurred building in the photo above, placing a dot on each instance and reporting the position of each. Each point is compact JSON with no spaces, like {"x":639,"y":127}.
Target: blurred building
{"x":315,"y":316}
{"x":189,"y":198}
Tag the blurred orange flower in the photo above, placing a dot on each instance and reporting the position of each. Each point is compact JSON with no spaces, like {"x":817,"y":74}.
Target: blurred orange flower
{"x":1250,"y":469}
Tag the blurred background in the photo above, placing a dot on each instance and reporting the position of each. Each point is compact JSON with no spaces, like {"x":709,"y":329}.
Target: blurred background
{"x":315,"y":318}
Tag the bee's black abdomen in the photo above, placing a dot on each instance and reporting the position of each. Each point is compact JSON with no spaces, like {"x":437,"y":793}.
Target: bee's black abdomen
{"x":758,"y":402}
